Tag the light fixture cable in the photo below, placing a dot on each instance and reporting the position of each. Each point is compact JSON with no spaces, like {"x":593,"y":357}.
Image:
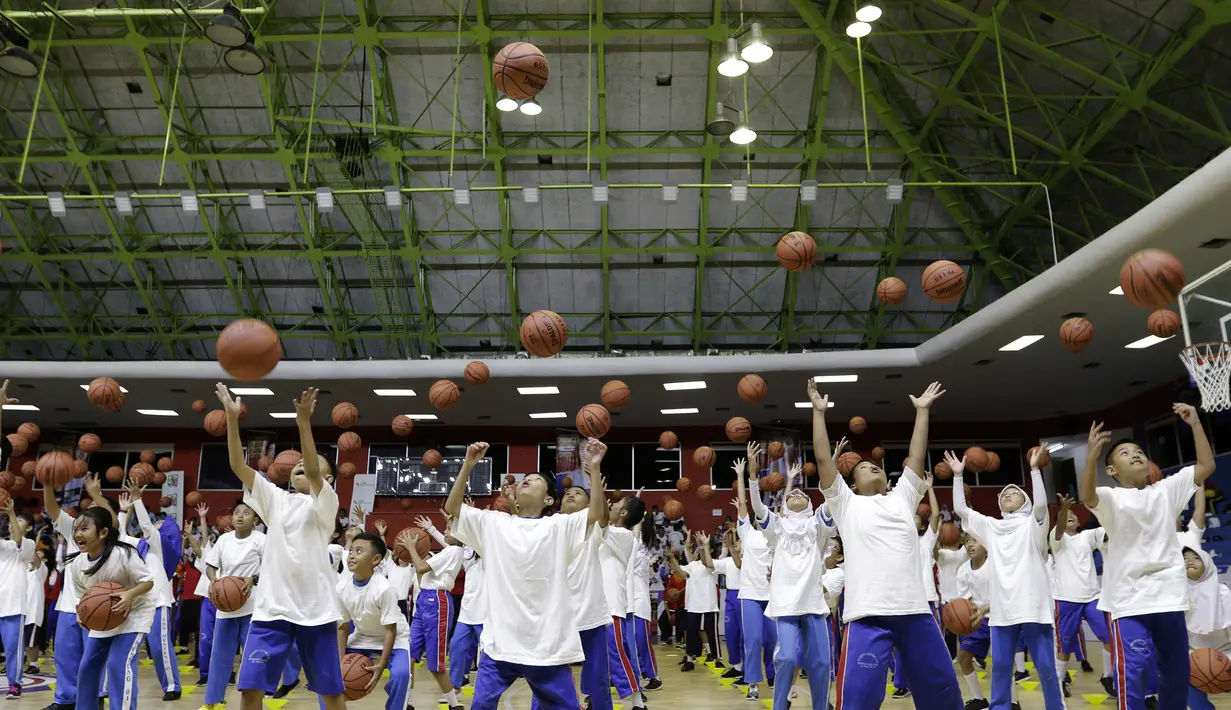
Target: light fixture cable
{"x":457,"y":65}
{"x":175,"y":88}
{"x":316,"y":73}
{"x":1004,"y":90}
{"x":38,"y":93}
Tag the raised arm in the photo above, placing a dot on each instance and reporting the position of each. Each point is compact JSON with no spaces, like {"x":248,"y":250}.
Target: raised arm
{"x":1088,"y":487}
{"x":919,"y":439}
{"x":825,"y":465}
{"x":421,"y":566}
{"x":673,"y":563}
{"x":235,"y":447}
{"x":741,"y":497}
{"x":934,"y":518}
{"x":1038,"y":491}
{"x":704,"y":543}
{"x":737,"y":556}
{"x":595,"y":451}
{"x":1201,"y":443}
{"x":474,"y":454}
{"x":958,"y":466}
{"x":1199,"y":508}
{"x":429,"y":528}
{"x":1062,"y":518}
{"x":304,"y":407}
{"x":50,"y":505}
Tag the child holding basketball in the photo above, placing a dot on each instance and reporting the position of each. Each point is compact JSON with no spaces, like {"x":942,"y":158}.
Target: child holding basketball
{"x":464,"y":644}
{"x":1209,"y":619}
{"x":236,"y":554}
{"x":1076,"y":590}
{"x":1144,"y":588}
{"x":434,"y":611}
{"x":972,"y":585}
{"x":759,"y":631}
{"x":16,"y":553}
{"x":296,"y":606}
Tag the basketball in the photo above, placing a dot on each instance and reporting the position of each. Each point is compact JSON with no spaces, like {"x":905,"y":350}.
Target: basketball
{"x":615,"y":394}
{"x":796,"y":251}
{"x":165,"y":464}
{"x":159,"y":478}
{"x":193,"y":499}
{"x":738,"y":429}
{"x":223,"y":522}
{"x":924,"y":510}
{"x":284,"y":462}
{"x":6,"y":480}
{"x":668,"y":440}
{"x":674,"y":595}
{"x":347,"y":470}
{"x":993,"y":462}
{"x":114,"y":474}
{"x":957,"y":615}
{"x":408,"y":537}
{"x":1163,"y":323}
{"x":520,"y":71}
{"x":683,"y":485}
{"x":891,"y":291}
{"x":1152,"y":278}
{"x":248,"y":349}
{"x":858,"y":425}
{"x":355,"y":675}
{"x":510,"y":480}
{"x":407,"y":504}
{"x":1209,"y":671}
{"x":443,"y":394}
{"x":949,"y":534}
{"x":228,"y":594}
{"x":942,"y":471}
{"x":141,"y":473}
{"x":348,"y":442}
{"x":30,"y":431}
{"x":94,"y":610}
{"x":705,"y":491}
{"x":944,"y":281}
{"x":977,"y":459}
{"x":105,"y":393}
{"x":403,"y":425}
{"x":199,"y":406}
{"x":80,"y":468}
{"x":165,"y":502}
{"x":773,"y":483}
{"x":543,"y":333}
{"x":752,"y":388}
{"x":847,"y":462}
{"x":1044,"y":460}
{"x":1155,"y":475}
{"x":27,"y":469}
{"x":147,"y":456}
{"x":566,"y":483}
{"x":501,"y":504}
{"x":19,"y":443}
{"x":431,"y":458}
{"x":673,"y":509}
{"x":776,"y":450}
{"x":54,"y":469}
{"x":1075,"y":334}
{"x":216,"y":422}
{"x":703,"y":457}
{"x":344,"y":415}
{"x":593,"y":420}
{"x":88,"y":443}
{"x":878,"y":453}
{"x":809,"y":470}
{"x":476,"y":373}
{"x":5,"y":498}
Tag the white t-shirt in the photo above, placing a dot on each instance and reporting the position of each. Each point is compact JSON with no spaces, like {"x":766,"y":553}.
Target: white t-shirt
{"x":585,"y":582}
{"x":337,"y":558}
{"x":973,"y":584}
{"x":615,"y":554}
{"x":15,"y":556}
{"x":401,"y":578}
{"x":297,"y":583}
{"x":68,"y":594}
{"x":371,"y":606}
{"x":755,"y":563}
{"x":1143,"y":568}
{"x":235,"y":557}
{"x":880,"y":548}
{"x":948,"y":562}
{"x":1073,"y":562}
{"x":834,"y":581}
{"x":726,"y":567}
{"x":34,"y":594}
{"x":526,"y":563}
{"x":639,"y":578}
{"x":445,"y":565}
{"x":125,"y":567}
{"x":203,"y":583}
{"x":795,"y":585}
{"x":474,"y":594}
{"x":927,"y":542}
{"x":701,"y":591}
{"x":1190,"y":536}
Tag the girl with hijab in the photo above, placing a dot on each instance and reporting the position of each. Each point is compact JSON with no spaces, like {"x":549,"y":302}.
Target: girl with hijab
{"x":1209,"y":617}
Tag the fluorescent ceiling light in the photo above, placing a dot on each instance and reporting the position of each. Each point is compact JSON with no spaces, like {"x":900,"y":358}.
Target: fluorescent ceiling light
{"x":1148,"y":341}
{"x":282,"y":415}
{"x":420,"y":417}
{"x":677,"y":386}
{"x":87,"y":389}
{"x":252,"y":391}
{"x":1054,"y":448}
{"x":548,"y":415}
{"x":1117,"y":291}
{"x":1021,"y":343}
{"x":20,"y":408}
{"x":868,"y":13}
{"x":836,"y":378}
{"x":158,"y":412}
{"x":858,"y":29}
{"x":682,"y":410}
{"x":808,"y":405}
{"x":550,"y":389}
{"x":394,"y":393}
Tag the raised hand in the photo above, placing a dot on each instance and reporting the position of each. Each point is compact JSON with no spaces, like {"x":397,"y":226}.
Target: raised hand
{"x":930,"y":395}
{"x":928,"y":480}
{"x":126,"y":501}
{"x":381,"y":527}
{"x":476,"y":451}
{"x":595,"y":450}
{"x":955,"y":464}
{"x":1036,"y":460}
{"x":306,"y":405}
{"x":820,"y":402}
{"x":840,"y":447}
{"x":1187,"y":412}
{"x":94,"y":486}
{"x":699,"y":537}
{"x":4,"y":394}
{"x":134,"y":490}
{"x":754,"y":456}
{"x":795,"y":469}
{"x":1097,"y":439}
{"x":202,"y":510}
{"x":738,"y":467}
{"x":231,"y":405}
{"x":424,"y":522}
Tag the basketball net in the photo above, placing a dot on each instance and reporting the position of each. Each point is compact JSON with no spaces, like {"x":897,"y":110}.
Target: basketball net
{"x":1210,"y":365}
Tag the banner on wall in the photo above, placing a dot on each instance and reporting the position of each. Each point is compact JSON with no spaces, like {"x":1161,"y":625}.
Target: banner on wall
{"x":568,"y":459}
{"x":174,"y":489}
{"x":364,"y":493}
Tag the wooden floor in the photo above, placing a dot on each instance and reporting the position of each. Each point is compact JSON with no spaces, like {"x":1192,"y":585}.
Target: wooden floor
{"x":681,"y":691}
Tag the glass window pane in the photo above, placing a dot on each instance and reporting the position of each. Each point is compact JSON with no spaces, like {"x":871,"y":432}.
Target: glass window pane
{"x":214,"y":473}
{"x":547,"y":459}
{"x":655,"y":468}
{"x":721,"y":475}
{"x":1013,"y":469}
{"x":618,"y":467}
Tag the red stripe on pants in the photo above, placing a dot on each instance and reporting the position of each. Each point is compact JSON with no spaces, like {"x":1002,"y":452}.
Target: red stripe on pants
{"x":846,"y":639}
{"x":442,"y":628}
{"x":618,"y":624}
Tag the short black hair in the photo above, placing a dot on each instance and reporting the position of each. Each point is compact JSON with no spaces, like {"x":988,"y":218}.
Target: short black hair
{"x":378,"y":545}
{"x":634,"y":510}
{"x":550,"y":480}
{"x":1118,"y":444}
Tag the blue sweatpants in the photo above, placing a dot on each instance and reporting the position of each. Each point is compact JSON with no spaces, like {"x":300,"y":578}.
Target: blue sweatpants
{"x":397,"y":690}
{"x":732,"y":626}
{"x":552,"y":686}
{"x":162,"y":651}
{"x":463,"y":651}
{"x":290,"y":670}
{"x":1069,"y":635}
{"x":1198,"y":700}
{"x":645,"y":650}
{"x":229,"y":635}
{"x":628,"y":627}
{"x":895,"y":661}
{"x":806,"y":636}
{"x":760,"y":638}
{"x":1139,"y":642}
{"x":117,"y":657}
{"x":1042,"y":646}
{"x":429,"y":628}
{"x":12,"y":629}
{"x":270,"y":642}
{"x":205,"y":637}
{"x":868,"y":643}
{"x":70,"y":642}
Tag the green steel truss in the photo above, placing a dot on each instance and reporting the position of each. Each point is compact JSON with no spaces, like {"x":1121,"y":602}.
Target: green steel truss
{"x":1106,"y":117}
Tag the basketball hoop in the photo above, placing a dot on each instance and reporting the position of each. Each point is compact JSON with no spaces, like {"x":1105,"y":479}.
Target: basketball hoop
{"x":1210,"y":365}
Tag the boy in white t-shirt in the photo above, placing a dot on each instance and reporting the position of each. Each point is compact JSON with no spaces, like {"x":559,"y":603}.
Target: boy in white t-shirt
{"x":1144,"y":588}
{"x":1076,"y":590}
{"x":928,"y":535}
{"x":756,"y":557}
{"x":236,"y":554}
{"x":16,"y":552}
{"x":700,"y":600}
{"x":972,"y":584}
{"x":370,"y":605}
{"x":885,"y":607}
{"x":296,"y":604}
{"x":526,"y":558}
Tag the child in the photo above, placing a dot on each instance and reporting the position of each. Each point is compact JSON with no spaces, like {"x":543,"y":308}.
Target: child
{"x":928,"y":535}
{"x":729,"y":568}
{"x":972,"y":584}
{"x":1209,"y":619}
{"x":16,"y":553}
{"x":208,"y":615}
{"x":297,"y":604}
{"x":464,"y":643}
{"x":834,"y":582}
{"x":1020,"y":589}
{"x":401,"y":575}
{"x":1144,"y":589}
{"x":40,"y":568}
{"x":760,"y":632}
{"x":104,"y":558}
{"x":526,"y":567}
{"x":640,"y":577}
{"x":887,"y":608}
{"x":949,"y":559}
{"x":369,"y":604}
{"x":616,"y":555}
{"x":434,"y":610}
{"x":236,"y":554}
{"x":1076,"y":591}
{"x":700,"y":600}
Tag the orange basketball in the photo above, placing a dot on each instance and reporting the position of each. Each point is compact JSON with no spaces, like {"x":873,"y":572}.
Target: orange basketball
{"x":752,"y":388}
{"x":593,"y":420}
{"x":223,"y":523}
{"x":520,"y":71}
{"x":776,"y":450}
{"x":738,"y":429}
{"x":408,"y":537}
{"x":705,"y":491}
{"x":193,"y":499}
{"x":356,"y":675}
{"x":1152,"y":278}
{"x":858,"y":425}
{"x":615,"y":394}
{"x":94,"y":610}
{"x":344,"y":415}
{"x":264,"y":462}
{"x":148,"y":456}
{"x":165,"y":502}
{"x":216,"y":422}
{"x":28,"y":469}
{"x":54,"y":468}
{"x":5,"y":498}
{"x":566,"y":483}
{"x":668,"y":440}
{"x":443,"y":394}
{"x":1075,"y":334}
{"x":1209,"y":670}
{"x":683,"y":485}
{"x":1044,"y":461}
{"x":510,"y":479}
{"x":1163,"y":323}
{"x":105,"y":393}
{"x":1155,"y":475}
{"x":476,"y":373}
{"x":248,"y":349}
{"x":993,"y":462}
{"x":944,"y":281}
{"x":403,"y":425}
{"x":347,"y":470}
{"x":878,"y":453}
{"x":957,"y":616}
{"x":949,"y":534}
{"x":89,"y":443}
{"x":703,"y":457}
{"x":30,"y":430}
{"x":796,"y":251}
{"x":847,"y":462}
{"x":924,"y":510}
{"x":431,"y":458}
{"x":500,"y":504}
{"x":165,"y":464}
{"x":809,"y":469}
{"x":942,"y":471}
{"x":6,"y":480}
{"x":773,"y":483}
{"x":543,"y":333}
{"x":407,"y":504}
{"x":349,"y":441}
{"x":141,"y":473}
{"x":199,"y":406}
{"x":115,"y":474}
{"x":674,"y":595}
{"x":283,"y":463}
{"x":977,"y":459}
{"x":228,"y":594}
{"x":159,"y":478}
{"x":80,"y":468}
{"x":673,"y":509}
{"x":19,"y":443}
{"x":891,"y":291}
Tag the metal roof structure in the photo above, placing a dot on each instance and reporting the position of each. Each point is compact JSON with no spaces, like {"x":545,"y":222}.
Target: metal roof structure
{"x":995,"y":114}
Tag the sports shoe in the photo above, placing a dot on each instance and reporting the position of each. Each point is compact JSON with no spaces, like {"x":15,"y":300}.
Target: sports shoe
{"x":1152,"y":702}
{"x":32,"y":669}
{"x":1109,"y":685}
{"x":14,"y":691}
{"x":975,"y":704}
{"x":1016,"y":706}
{"x":171,"y":696}
{"x":1086,"y":667}
{"x":687,"y":666}
{"x":752,"y":694}
{"x":732,"y":673}
{"x":202,"y":682}
{"x":1065,"y":686}
{"x":719,"y":664}
{"x":60,"y":706}
{"x":740,"y":681}
{"x":770,"y":682}
{"x":653,"y":684}
{"x":803,"y":674}
{"x":981,"y":663}
{"x":1019,"y":676}
{"x":285,"y":690}
{"x":794,"y":694}
{"x":901,"y":693}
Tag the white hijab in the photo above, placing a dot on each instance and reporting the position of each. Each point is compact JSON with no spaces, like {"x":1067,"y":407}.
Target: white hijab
{"x":1210,"y":598}
{"x":797,"y":531}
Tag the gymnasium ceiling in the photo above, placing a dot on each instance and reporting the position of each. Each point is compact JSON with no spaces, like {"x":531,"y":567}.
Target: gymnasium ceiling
{"x":1111,"y":102}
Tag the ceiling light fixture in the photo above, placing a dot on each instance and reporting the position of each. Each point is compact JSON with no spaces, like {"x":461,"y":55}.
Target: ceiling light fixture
{"x":530,"y":194}
{"x":189,"y":202}
{"x":1117,"y":291}
{"x":20,"y":408}
{"x":393,"y":198}
{"x":808,"y":405}
{"x":721,"y":124}
{"x":1146,"y":342}
{"x":549,"y":389}
{"x":158,"y":412}
{"x":256,"y":199}
{"x":530,"y":107}
{"x":732,"y":65}
{"x":420,"y":417}
{"x":868,"y":13}
{"x":756,"y":49}
{"x":1054,"y":448}
{"x":1021,"y":343}
{"x":324,"y":200}
{"x":506,"y":104}
{"x":123,"y":390}
{"x":228,"y":29}
{"x":681,"y":410}
{"x":282,"y":415}
{"x":17,"y":59}
{"x":394,"y":393}
{"x":548,"y":415}
{"x":123,"y":203}
{"x":858,"y":29}
{"x":743,"y":134}
{"x":835,"y":378}
{"x":245,"y":60}
{"x":671,"y":193}
{"x":894,"y":189}
{"x":807,"y":191}
{"x":739,"y":190}
{"x":461,"y":190}
{"x":55,"y":201}
{"x":252,"y":391}
{"x":679,"y":386}
{"x":600,"y":191}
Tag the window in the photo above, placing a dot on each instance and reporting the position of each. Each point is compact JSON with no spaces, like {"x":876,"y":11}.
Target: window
{"x":722,"y":475}
{"x":110,"y":455}
{"x":547,"y":458}
{"x":654,"y":468}
{"x":498,"y":453}
{"x":618,"y":467}
{"x":214,"y":473}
